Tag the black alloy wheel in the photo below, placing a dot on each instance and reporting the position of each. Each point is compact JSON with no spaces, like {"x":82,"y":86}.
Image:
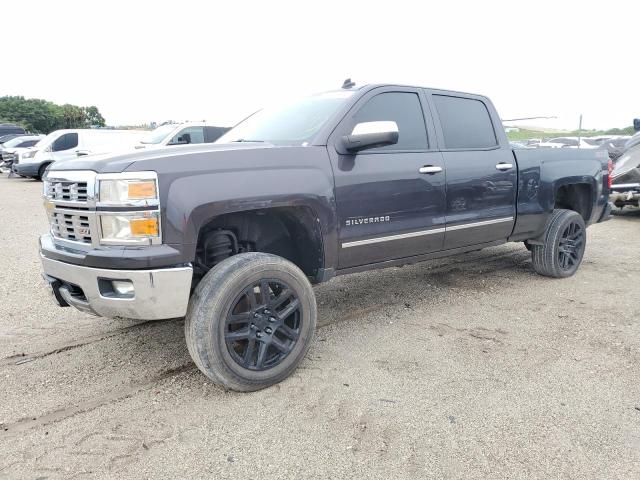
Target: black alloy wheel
{"x":263,"y":325}
{"x":571,"y":246}
{"x":251,"y":321}
{"x":559,"y":253}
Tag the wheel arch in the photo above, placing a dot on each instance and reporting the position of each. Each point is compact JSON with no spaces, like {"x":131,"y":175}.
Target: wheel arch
{"x":576,"y":196}
{"x":293,"y":232}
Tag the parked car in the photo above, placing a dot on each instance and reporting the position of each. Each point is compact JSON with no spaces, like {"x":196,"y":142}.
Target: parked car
{"x":615,"y":147}
{"x":232,"y":234}
{"x":182,"y":134}
{"x":11,"y":148}
{"x":70,"y":144}
{"x":632,"y":142}
{"x":10,"y":129}
{"x":5,"y":138}
{"x":565,"y":142}
{"x":626,"y":179}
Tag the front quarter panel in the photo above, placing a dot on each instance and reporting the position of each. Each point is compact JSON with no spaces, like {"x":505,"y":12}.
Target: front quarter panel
{"x":198,"y":187}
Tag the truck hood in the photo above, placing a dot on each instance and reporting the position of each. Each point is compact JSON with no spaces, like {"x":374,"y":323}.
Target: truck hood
{"x":147,"y":159}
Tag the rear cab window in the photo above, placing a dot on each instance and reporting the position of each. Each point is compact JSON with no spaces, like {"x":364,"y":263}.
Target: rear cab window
{"x":465,"y":122}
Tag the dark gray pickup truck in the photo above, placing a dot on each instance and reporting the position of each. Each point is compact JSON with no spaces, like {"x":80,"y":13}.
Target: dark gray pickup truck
{"x":231,"y":235}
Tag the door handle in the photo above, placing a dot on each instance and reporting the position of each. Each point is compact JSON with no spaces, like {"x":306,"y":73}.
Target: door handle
{"x":504,"y":166}
{"x":430,"y":169}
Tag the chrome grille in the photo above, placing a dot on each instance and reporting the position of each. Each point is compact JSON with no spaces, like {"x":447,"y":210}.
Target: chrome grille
{"x":66,"y":191}
{"x":69,"y":198}
{"x":70,"y":226}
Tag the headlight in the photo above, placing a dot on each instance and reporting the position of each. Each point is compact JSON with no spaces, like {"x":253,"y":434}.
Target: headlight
{"x":123,"y":192}
{"x":131,"y":228}
{"x":29,"y":154}
{"x":129,"y":189}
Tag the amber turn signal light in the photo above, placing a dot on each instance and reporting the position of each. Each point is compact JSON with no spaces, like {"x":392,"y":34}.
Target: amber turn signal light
{"x":141,"y":190}
{"x":144,"y":227}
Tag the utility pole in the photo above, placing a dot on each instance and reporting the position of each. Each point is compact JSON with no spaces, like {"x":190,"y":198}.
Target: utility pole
{"x":580,"y":131}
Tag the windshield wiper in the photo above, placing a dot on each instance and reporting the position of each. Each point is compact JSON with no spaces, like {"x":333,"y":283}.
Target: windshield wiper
{"x":244,"y":140}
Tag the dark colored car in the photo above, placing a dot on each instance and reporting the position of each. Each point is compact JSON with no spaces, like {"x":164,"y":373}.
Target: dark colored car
{"x":231,"y":235}
{"x":625,"y":190}
{"x":9,"y":129}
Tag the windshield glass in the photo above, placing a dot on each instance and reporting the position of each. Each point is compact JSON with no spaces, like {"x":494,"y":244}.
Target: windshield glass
{"x":291,"y":124}
{"x":13,"y":142}
{"x":158,"y":134}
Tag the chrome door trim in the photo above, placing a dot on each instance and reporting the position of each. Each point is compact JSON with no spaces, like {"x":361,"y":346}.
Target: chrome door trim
{"x":400,"y":236}
{"x":420,"y":233}
{"x":480,"y":224}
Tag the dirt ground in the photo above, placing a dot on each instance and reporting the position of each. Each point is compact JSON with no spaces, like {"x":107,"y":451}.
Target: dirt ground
{"x":468,"y":367}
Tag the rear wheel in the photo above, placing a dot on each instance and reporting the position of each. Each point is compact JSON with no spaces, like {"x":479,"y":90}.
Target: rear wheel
{"x":565,"y":240}
{"x":251,"y":321}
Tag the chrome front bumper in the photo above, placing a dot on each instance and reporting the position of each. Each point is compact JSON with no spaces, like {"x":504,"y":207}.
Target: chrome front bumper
{"x":159,"y":294}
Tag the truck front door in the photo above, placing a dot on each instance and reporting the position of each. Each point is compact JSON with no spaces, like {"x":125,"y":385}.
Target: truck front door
{"x":390,"y":200}
{"x":481,"y":176}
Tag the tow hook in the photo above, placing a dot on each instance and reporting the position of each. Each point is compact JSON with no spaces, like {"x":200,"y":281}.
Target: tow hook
{"x":55,"y":285}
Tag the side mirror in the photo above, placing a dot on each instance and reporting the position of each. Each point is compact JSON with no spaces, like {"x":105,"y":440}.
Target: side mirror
{"x":636,"y":124}
{"x":371,"y":135}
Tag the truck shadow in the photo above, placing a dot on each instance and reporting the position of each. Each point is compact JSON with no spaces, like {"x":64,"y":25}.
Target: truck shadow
{"x":354,"y":297}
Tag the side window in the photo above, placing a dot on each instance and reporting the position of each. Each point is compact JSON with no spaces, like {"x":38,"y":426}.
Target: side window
{"x":65,"y":142}
{"x":403,"y":108}
{"x":189,"y":135}
{"x":465,"y":122}
{"x":211,"y":134}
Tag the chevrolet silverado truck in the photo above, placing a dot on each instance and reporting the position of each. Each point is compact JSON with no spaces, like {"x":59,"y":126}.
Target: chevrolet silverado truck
{"x":232,"y":235}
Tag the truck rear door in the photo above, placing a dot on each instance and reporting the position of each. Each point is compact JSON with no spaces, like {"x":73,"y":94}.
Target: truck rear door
{"x":481,"y":170}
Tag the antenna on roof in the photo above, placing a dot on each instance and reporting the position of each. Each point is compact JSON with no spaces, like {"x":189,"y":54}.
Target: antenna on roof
{"x":348,"y":83}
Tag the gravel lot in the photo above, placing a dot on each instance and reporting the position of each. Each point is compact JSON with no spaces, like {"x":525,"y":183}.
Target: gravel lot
{"x":469,"y":367}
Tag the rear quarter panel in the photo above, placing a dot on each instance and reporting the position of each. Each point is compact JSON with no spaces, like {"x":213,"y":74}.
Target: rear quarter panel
{"x":541,"y":172}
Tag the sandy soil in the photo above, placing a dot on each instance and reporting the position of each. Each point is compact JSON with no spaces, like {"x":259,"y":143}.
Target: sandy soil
{"x":469,"y":367}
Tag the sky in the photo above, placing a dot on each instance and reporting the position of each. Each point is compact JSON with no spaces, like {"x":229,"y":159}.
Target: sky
{"x":142,"y":61}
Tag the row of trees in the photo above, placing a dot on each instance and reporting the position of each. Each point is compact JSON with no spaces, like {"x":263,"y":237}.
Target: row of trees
{"x":41,"y":116}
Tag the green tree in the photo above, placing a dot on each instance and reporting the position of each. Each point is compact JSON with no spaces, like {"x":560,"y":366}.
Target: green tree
{"x":34,"y":114}
{"x":72,"y":116}
{"x":42,"y":116}
{"x":93,"y":117}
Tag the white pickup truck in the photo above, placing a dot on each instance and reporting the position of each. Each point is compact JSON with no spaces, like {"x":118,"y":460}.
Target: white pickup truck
{"x":182,"y":134}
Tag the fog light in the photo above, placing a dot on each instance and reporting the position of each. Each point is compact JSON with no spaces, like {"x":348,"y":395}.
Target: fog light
{"x":123,"y":287}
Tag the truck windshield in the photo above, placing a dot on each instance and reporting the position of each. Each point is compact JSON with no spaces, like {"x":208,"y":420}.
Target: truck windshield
{"x":158,"y":134}
{"x":292,"y":124}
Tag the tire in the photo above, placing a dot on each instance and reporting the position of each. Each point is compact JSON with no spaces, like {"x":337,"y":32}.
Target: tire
{"x":564,"y":244}
{"x":223,"y":322}
{"x":41,"y":171}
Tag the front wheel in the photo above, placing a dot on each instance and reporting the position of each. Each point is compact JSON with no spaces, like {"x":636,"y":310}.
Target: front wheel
{"x":251,"y":321}
{"x":42,"y":171}
{"x":565,"y":240}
